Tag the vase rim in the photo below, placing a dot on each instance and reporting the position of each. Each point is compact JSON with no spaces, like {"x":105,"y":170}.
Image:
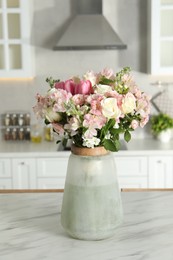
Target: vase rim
{"x":84,"y":151}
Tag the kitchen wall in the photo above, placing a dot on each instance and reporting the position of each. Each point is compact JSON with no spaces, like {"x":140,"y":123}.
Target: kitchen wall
{"x":48,"y":20}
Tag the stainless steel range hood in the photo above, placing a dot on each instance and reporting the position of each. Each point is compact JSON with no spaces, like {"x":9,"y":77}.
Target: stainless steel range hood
{"x":89,"y":30}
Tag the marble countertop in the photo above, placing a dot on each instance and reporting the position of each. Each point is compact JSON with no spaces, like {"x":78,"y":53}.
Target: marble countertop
{"x":30,"y":229}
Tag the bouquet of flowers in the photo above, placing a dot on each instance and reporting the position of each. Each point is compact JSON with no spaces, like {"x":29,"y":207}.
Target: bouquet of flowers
{"x":94,"y":110}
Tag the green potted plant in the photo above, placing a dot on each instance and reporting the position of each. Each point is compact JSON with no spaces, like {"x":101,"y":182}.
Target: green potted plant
{"x":161,"y":126}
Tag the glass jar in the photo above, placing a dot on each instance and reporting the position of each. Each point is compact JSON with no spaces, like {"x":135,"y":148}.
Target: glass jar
{"x":7,"y":134}
{"x":91,"y":208}
{"x":21,"y":120}
{"x":14,"y":134}
{"x":21,"y":134}
{"x":36,"y":133}
{"x":27,"y":119}
{"x":7,"y":120}
{"x":28,"y":133}
{"x":48,"y":133}
{"x":14,"y":119}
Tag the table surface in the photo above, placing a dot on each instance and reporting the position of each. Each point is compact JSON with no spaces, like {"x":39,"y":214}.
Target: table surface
{"x":30,"y":229}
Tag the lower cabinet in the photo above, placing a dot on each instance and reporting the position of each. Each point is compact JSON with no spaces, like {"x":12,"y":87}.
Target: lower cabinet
{"x":49,"y":172}
{"x":132,"y":171}
{"x":5,"y":174}
{"x":5,"y":183}
{"x":160,"y":172}
{"x":24,"y":173}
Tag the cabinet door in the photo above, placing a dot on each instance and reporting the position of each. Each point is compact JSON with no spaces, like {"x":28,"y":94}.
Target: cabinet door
{"x":51,"y":172}
{"x":160,"y":56}
{"x":5,"y":168}
{"x":132,"y":171}
{"x":15,"y":49}
{"x":160,"y":172}
{"x":23,"y":173}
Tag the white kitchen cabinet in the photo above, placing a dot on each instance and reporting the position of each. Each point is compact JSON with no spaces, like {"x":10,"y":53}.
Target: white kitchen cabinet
{"x":24,"y":173}
{"x":51,"y":172}
{"x":160,"y":56}
{"x":160,"y":172}
{"x":51,"y":183}
{"x":31,"y":166}
{"x":132,"y":171}
{"x":5,"y":174}
{"x":5,"y":168}
{"x":5,"y":183}
{"x":15,"y":49}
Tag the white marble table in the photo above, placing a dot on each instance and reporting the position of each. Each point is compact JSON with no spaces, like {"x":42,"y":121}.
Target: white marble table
{"x":30,"y":229}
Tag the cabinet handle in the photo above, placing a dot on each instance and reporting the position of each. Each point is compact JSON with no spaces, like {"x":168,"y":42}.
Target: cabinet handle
{"x":22,"y":163}
{"x":159,"y":161}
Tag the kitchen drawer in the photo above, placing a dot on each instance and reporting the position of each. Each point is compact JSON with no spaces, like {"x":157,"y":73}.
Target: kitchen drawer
{"x":5,"y":168}
{"x":133,"y":182}
{"x":5,"y":183}
{"x":51,"y":183}
{"x":52,"y":167}
{"x":131,"y":166}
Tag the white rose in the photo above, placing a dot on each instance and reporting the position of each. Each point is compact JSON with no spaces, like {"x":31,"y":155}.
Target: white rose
{"x":110,"y":108}
{"x":52,"y":116}
{"x":128,"y":103}
{"x":101,"y":89}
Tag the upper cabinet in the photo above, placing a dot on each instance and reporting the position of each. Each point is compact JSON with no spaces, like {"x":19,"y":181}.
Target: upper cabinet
{"x":15,"y":49}
{"x":160,"y":56}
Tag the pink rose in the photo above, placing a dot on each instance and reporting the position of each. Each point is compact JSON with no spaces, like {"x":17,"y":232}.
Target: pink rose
{"x":144,"y":121}
{"x":84,"y":87}
{"x":134,"y":124}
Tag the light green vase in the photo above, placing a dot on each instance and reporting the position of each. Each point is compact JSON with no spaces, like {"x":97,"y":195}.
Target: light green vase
{"x":91,"y":208}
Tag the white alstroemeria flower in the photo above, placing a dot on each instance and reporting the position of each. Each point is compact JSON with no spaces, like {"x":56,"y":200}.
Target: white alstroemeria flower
{"x":91,"y":76}
{"x":91,"y":142}
{"x":51,"y":115}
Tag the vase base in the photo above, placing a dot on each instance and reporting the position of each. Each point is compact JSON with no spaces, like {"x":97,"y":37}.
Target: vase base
{"x":94,"y":237}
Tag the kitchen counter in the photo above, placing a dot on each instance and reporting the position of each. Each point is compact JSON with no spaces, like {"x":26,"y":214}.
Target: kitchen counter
{"x":148,"y":146}
{"x":30,"y":229}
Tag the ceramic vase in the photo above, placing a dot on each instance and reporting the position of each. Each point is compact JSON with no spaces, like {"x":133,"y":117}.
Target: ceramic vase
{"x":165,"y":136}
{"x":91,"y":207}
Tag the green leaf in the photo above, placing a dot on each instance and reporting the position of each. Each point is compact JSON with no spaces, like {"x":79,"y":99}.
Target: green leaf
{"x":105,"y":81}
{"x":127,"y":136}
{"x":46,"y":121}
{"x":117,"y":144}
{"x":106,"y":128}
{"x":110,"y":145}
{"x":57,"y":142}
{"x":64,"y":142}
{"x":51,"y":81}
